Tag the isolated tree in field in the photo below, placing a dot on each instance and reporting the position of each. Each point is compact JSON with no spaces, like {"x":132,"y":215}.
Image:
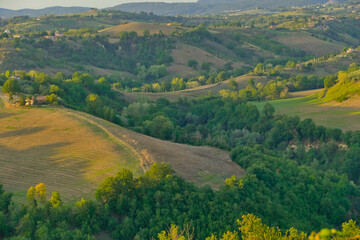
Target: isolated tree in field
{"x":206,"y":66}
{"x":193,"y":63}
{"x":11,"y":86}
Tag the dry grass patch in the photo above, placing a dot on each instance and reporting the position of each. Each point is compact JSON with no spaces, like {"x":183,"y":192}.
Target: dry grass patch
{"x":185,"y":52}
{"x":202,"y":165}
{"x":305,"y":93}
{"x":308,"y":43}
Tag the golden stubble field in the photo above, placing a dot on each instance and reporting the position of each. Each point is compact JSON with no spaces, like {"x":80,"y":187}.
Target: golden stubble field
{"x":51,"y":146}
{"x":72,"y":153}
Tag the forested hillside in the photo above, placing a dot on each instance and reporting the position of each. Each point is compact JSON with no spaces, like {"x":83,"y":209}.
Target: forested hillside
{"x":298,"y":174}
{"x":143,"y":207}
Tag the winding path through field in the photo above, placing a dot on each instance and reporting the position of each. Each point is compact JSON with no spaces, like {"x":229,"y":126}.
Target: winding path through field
{"x":202,"y":165}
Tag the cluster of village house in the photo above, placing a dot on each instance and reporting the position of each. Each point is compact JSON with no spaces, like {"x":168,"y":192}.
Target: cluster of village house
{"x":54,"y":37}
{"x":40,"y":100}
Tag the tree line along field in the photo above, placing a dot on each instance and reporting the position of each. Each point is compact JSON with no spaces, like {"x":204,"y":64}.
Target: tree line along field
{"x":200,"y":91}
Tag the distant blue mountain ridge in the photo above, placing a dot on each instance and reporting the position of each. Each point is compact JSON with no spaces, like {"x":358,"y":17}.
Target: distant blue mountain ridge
{"x":7,"y":13}
{"x":201,"y":7}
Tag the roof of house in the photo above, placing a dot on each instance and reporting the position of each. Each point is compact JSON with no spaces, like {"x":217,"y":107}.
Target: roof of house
{"x":41,"y":98}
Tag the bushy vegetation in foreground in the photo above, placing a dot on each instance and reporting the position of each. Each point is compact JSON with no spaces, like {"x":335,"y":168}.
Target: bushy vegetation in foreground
{"x":141,"y":207}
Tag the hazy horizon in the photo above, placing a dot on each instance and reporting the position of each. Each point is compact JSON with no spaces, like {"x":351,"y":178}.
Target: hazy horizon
{"x":38,"y":4}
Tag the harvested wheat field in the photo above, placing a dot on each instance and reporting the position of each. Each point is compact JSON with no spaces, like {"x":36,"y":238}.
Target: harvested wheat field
{"x":72,"y":153}
{"x":51,"y":146}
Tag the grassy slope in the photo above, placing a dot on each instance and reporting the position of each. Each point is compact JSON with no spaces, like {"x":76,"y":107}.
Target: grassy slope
{"x":327,"y":113}
{"x":72,"y":152}
{"x":185,"y":52}
{"x":348,"y":91}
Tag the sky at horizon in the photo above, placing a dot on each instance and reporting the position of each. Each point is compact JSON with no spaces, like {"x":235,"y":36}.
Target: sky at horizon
{"x":38,"y":4}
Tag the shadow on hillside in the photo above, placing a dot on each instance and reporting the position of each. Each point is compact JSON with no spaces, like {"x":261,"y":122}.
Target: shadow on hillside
{"x":22,"y":132}
{"x":6,"y":115}
{"x":46,"y":164}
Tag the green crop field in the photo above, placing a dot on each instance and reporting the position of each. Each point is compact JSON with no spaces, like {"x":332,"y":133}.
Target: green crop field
{"x":329,"y":114}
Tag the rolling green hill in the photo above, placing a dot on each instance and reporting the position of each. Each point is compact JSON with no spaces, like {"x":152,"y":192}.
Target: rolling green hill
{"x":336,"y":107}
